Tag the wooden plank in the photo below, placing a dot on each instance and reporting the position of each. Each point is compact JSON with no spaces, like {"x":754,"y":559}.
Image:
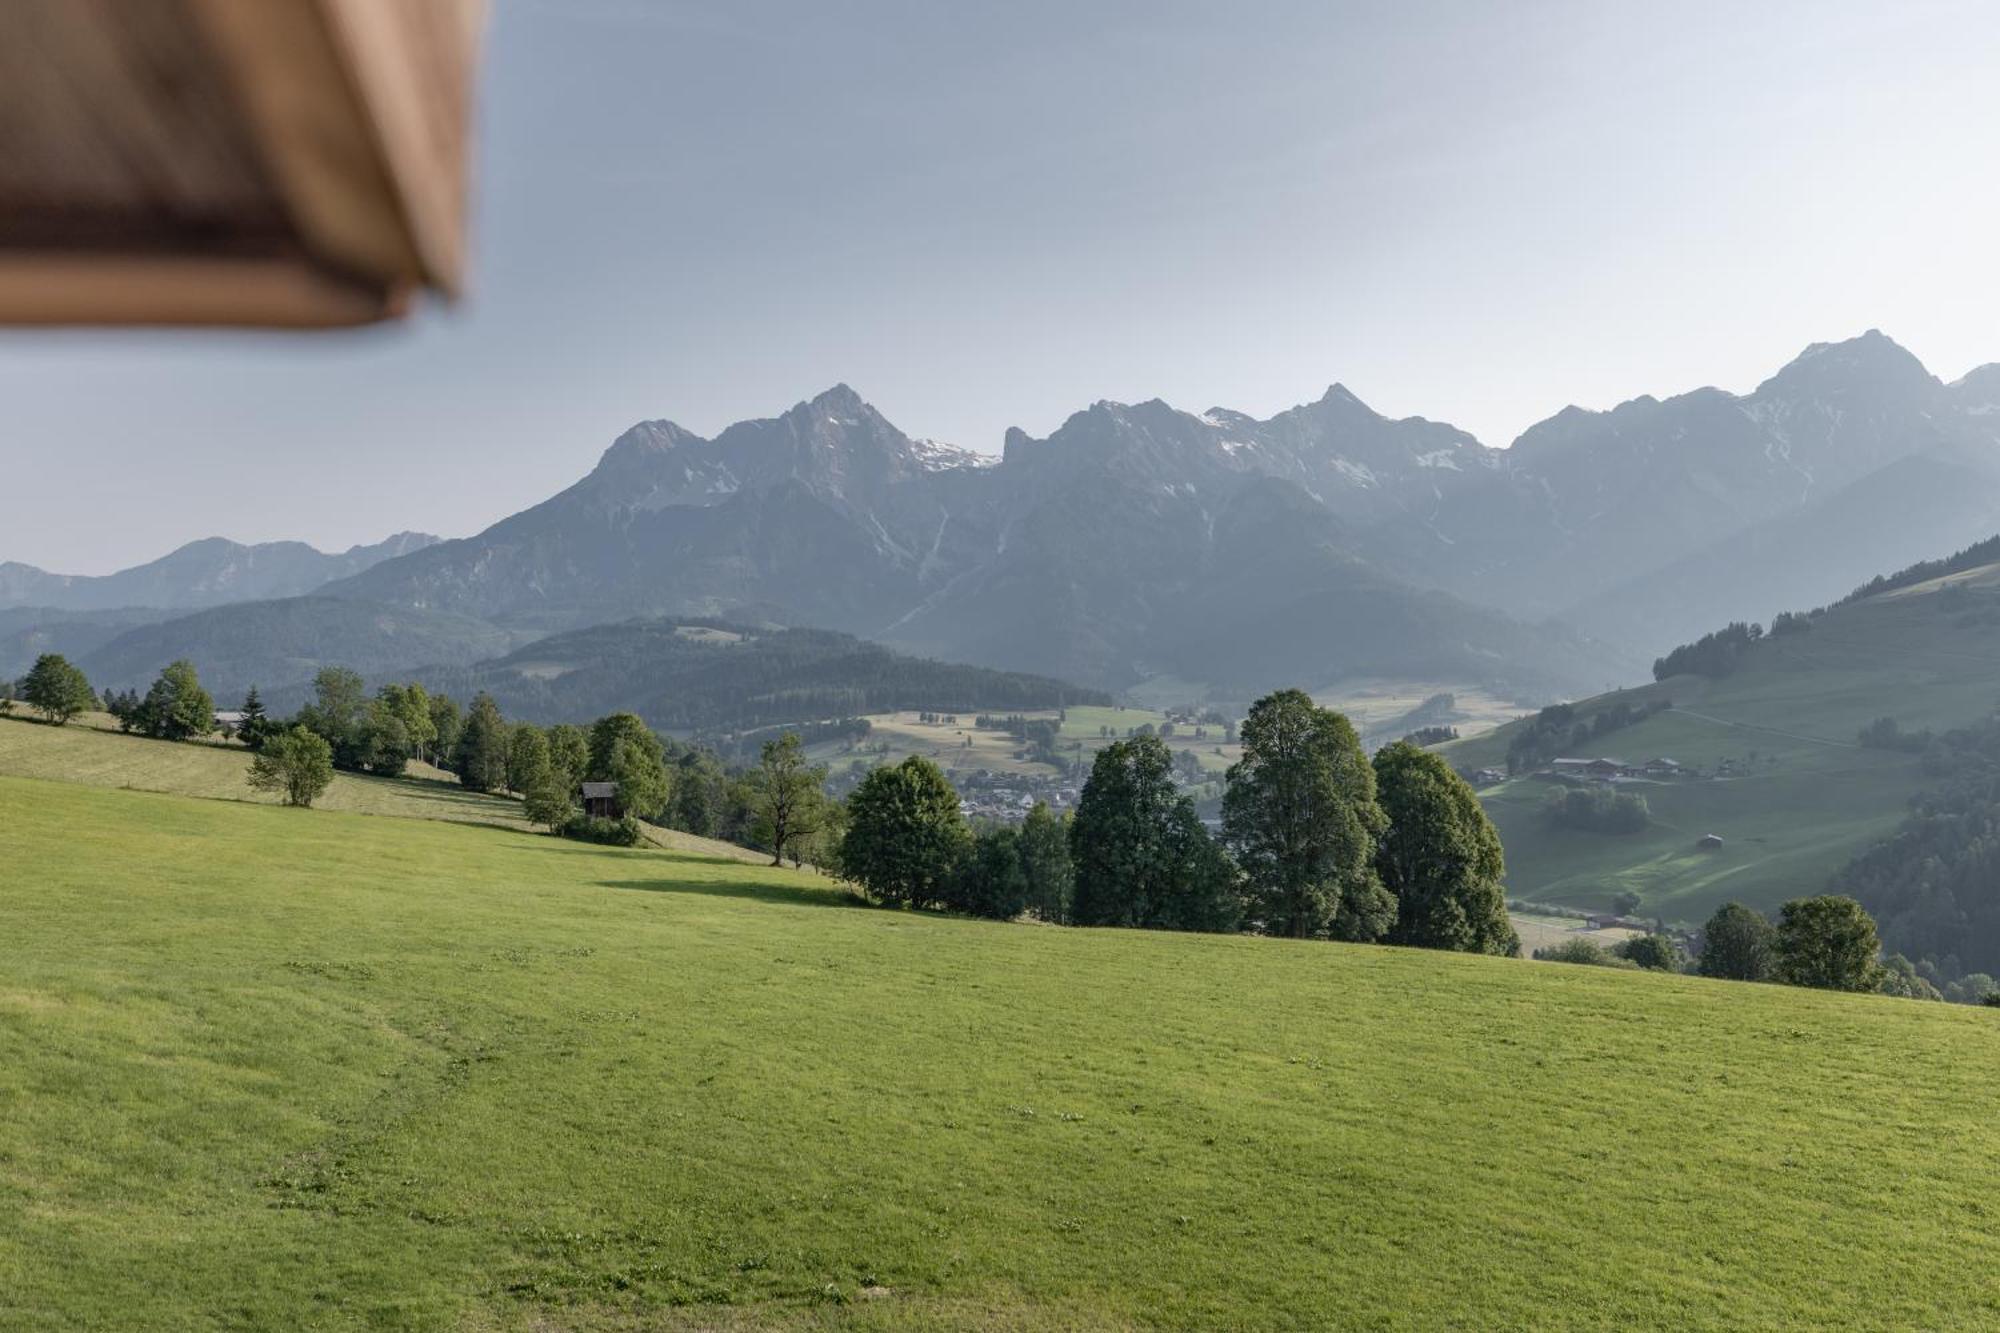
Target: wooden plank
{"x":64,"y":288}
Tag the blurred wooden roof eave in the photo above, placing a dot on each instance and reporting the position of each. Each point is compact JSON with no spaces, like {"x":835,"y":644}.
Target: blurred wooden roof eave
{"x":279,"y":163}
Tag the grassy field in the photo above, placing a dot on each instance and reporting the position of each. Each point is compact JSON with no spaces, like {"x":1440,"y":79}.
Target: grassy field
{"x":270,"y":1068}
{"x":1804,"y":797}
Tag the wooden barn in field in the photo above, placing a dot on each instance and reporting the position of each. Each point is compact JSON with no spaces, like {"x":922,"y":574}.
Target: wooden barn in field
{"x":600,"y":801}
{"x":281,"y":163}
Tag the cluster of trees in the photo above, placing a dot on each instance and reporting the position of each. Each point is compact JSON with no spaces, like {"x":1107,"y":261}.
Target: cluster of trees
{"x":175,"y":708}
{"x":1596,"y":809}
{"x":1885,"y":733}
{"x":1972,"y":557}
{"x":1560,"y":730}
{"x":1317,"y":842}
{"x":1827,"y":942}
{"x":1715,"y":654}
{"x":1432,"y":735}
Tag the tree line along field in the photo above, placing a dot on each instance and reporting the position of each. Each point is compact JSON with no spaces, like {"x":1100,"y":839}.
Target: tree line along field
{"x":285,"y":1068}
{"x":1804,"y":796}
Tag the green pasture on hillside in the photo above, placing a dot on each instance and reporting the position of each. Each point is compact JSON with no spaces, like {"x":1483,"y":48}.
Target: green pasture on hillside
{"x":272,"y":1068}
{"x":1803,"y":796}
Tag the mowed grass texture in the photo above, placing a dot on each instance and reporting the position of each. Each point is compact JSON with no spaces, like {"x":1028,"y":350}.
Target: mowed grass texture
{"x":268,"y":1068}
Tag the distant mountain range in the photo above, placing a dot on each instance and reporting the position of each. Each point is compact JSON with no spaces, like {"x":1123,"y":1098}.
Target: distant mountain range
{"x":210,"y":572}
{"x":1141,"y":542}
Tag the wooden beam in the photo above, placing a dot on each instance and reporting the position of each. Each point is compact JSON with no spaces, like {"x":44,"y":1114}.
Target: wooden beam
{"x":65,"y":288}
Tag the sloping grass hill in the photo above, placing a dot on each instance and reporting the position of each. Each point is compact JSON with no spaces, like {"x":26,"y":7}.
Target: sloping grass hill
{"x":92,"y":750}
{"x":1801,"y":795}
{"x":271,"y":1068}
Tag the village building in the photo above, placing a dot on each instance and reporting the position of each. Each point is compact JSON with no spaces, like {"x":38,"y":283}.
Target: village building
{"x":1601,"y":769}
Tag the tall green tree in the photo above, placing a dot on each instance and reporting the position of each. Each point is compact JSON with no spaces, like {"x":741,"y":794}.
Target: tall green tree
{"x":990,"y":881}
{"x":177,"y":708}
{"x":905,"y":834}
{"x":446,"y":722}
{"x":790,"y":793}
{"x":698,"y":795}
{"x":1439,"y":856}
{"x":1045,"y":864}
{"x":297,"y":764}
{"x":1140,"y":854}
{"x":1301,"y":815}
{"x":482,"y":746}
{"x":411,"y":703}
{"x":527,"y":756}
{"x":1739,"y":944}
{"x":381,"y":742}
{"x":255,"y":727}
{"x":1828,"y":942}
{"x":337,"y":713}
{"x":56,"y":689}
{"x":624,"y":750}
{"x":549,"y":799}
{"x":569,"y":753}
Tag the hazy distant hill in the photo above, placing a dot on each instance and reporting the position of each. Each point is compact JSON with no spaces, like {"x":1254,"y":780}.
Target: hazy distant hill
{"x":210,"y":572}
{"x":680,"y":675}
{"x":26,"y":632}
{"x":281,"y":643}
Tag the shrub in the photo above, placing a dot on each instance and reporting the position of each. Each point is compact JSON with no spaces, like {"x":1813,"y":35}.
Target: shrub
{"x":622,"y":832}
{"x":1587,"y":952}
{"x":1655,"y":953}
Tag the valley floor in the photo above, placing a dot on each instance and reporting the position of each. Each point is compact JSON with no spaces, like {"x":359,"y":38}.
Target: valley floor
{"x":271,"y":1068}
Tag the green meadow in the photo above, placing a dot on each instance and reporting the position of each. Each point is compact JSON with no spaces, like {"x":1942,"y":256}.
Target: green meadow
{"x":274,"y":1068}
{"x":1803,"y":796}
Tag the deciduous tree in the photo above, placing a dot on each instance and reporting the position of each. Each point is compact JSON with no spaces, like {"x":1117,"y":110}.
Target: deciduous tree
{"x":297,"y":764}
{"x":1140,"y":853}
{"x":176,"y":708}
{"x":624,"y":750}
{"x":1827,"y":942}
{"x":482,"y":746}
{"x":1439,"y":856}
{"x":1300,"y":812}
{"x":1738,"y":944}
{"x":56,"y":689}
{"x":905,"y":834}
{"x":1045,"y":863}
{"x":789,"y":792}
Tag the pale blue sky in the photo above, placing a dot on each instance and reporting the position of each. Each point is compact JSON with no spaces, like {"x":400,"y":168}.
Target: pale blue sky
{"x":983,"y":216}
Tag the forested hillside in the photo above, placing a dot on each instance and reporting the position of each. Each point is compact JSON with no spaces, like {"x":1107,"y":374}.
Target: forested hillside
{"x":701,"y":675}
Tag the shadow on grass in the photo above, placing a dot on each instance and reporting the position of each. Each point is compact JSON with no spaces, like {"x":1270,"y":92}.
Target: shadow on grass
{"x":795,"y":895}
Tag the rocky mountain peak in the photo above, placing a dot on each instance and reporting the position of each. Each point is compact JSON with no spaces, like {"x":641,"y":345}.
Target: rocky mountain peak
{"x":1868,"y":364}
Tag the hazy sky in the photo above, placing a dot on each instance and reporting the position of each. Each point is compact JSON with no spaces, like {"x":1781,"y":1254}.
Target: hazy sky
{"x":992,"y":215}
